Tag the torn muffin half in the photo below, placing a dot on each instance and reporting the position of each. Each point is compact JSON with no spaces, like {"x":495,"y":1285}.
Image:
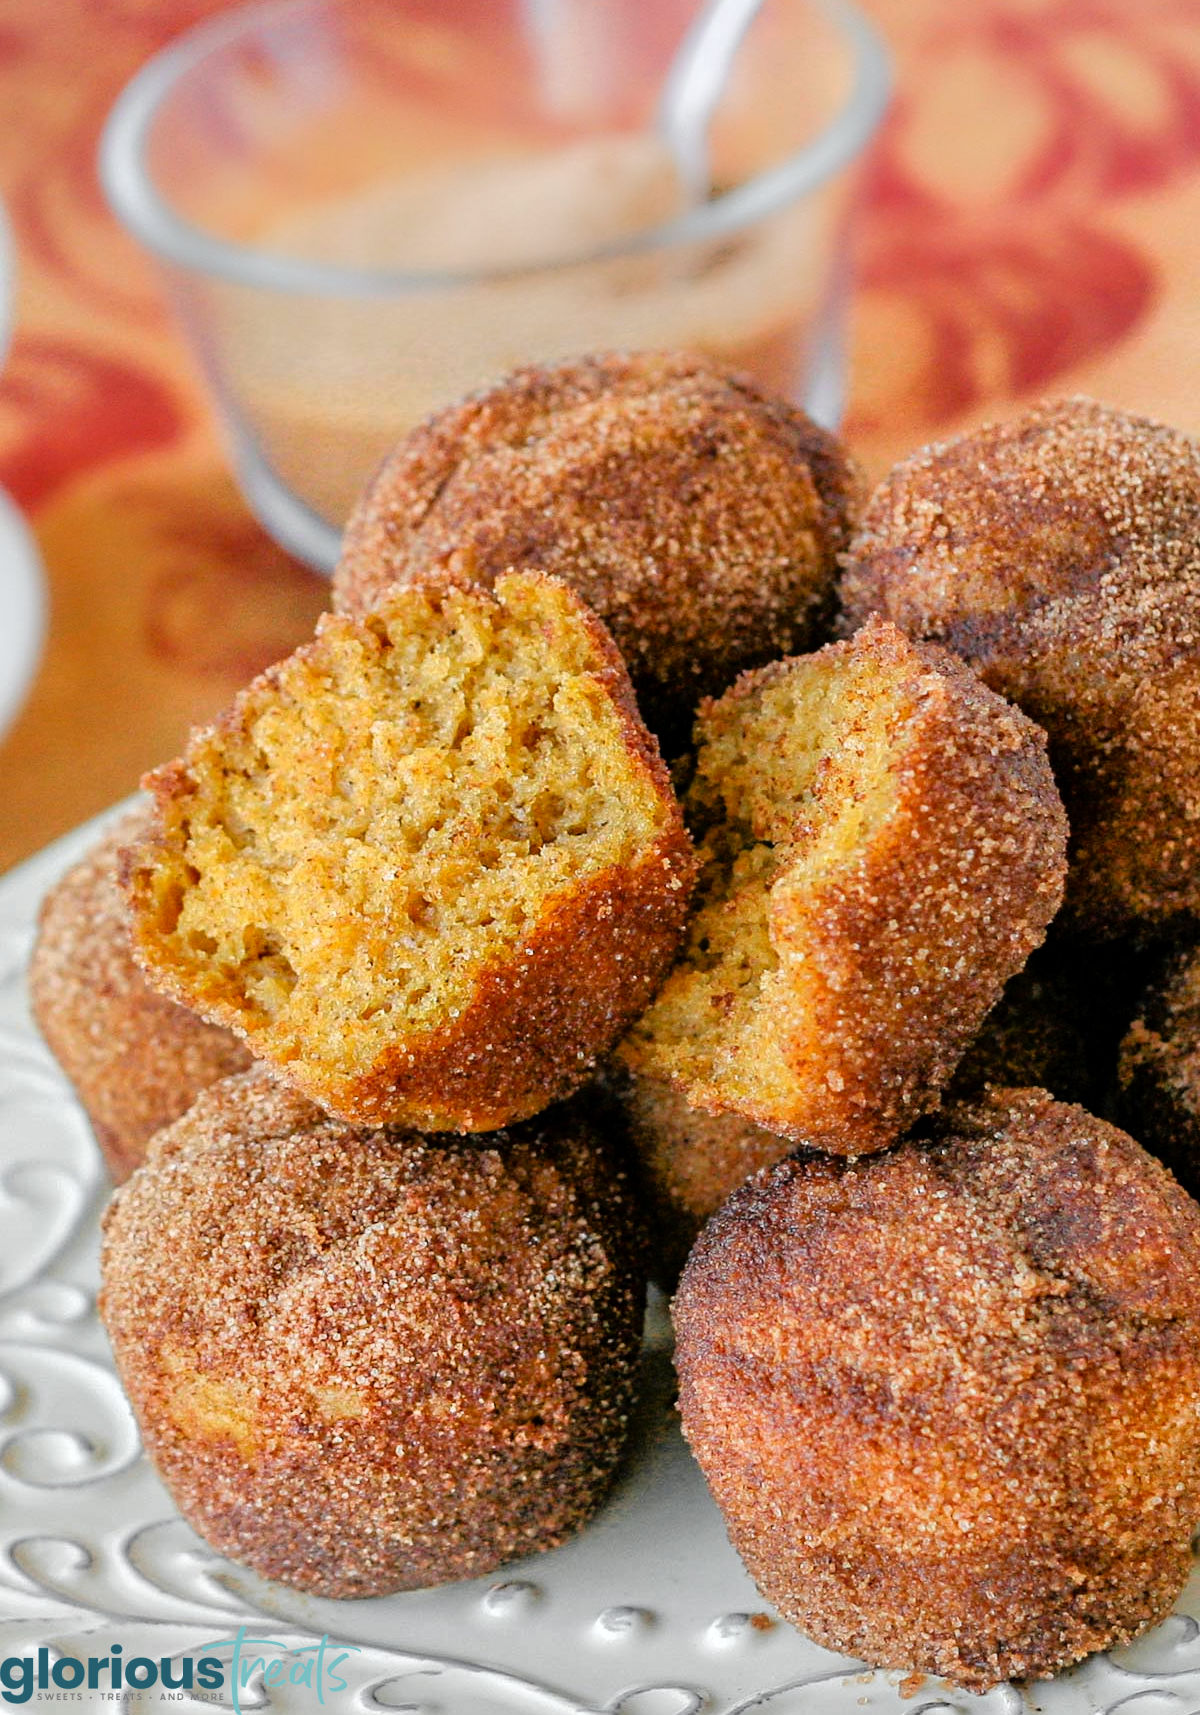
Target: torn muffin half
{"x":430,"y":866}
{"x":883,"y":845}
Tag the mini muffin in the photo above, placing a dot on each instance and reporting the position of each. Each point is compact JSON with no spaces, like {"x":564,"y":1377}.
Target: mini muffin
{"x":366,"y":1361}
{"x":430,"y":866}
{"x":948,"y":1397}
{"x":136,"y":1060}
{"x":1059,"y":554}
{"x":1159,"y":1068}
{"x":883,"y":846}
{"x":701,"y":520}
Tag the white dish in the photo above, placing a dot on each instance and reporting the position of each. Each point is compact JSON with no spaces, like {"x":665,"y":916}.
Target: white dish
{"x":22,"y":609}
{"x":648,"y":1612}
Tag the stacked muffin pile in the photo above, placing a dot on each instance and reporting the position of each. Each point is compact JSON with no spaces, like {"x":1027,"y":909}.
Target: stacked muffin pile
{"x":376,"y":1296}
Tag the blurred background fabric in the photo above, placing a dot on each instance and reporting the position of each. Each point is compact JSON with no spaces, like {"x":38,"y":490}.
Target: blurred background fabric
{"x":1031,"y":226}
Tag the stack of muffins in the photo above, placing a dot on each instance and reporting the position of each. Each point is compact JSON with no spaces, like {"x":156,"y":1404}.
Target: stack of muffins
{"x":426,"y":1009}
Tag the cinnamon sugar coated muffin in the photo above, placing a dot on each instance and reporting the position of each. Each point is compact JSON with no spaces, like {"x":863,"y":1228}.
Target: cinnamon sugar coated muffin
{"x":1058,"y":553}
{"x":430,"y":866}
{"x":366,"y":1361}
{"x":135,"y":1060}
{"x":948,"y":1397}
{"x":883,"y":846}
{"x":700,"y":519}
{"x":1159,"y":1068}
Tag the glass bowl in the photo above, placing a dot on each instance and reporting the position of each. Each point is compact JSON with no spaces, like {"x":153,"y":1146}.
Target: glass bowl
{"x":366,"y":208}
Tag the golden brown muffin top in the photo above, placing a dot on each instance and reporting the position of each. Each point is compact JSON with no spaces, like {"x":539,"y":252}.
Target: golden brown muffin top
{"x":1055,"y":550}
{"x":700,"y":519}
{"x":284,"y":1222}
{"x":1014,"y":1221}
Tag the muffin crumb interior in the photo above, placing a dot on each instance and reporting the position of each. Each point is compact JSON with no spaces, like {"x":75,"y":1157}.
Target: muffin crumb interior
{"x":788,"y":780}
{"x":394,"y":810}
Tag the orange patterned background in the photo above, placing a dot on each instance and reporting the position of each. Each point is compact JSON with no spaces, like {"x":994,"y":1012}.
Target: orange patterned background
{"x":1032,"y":225}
